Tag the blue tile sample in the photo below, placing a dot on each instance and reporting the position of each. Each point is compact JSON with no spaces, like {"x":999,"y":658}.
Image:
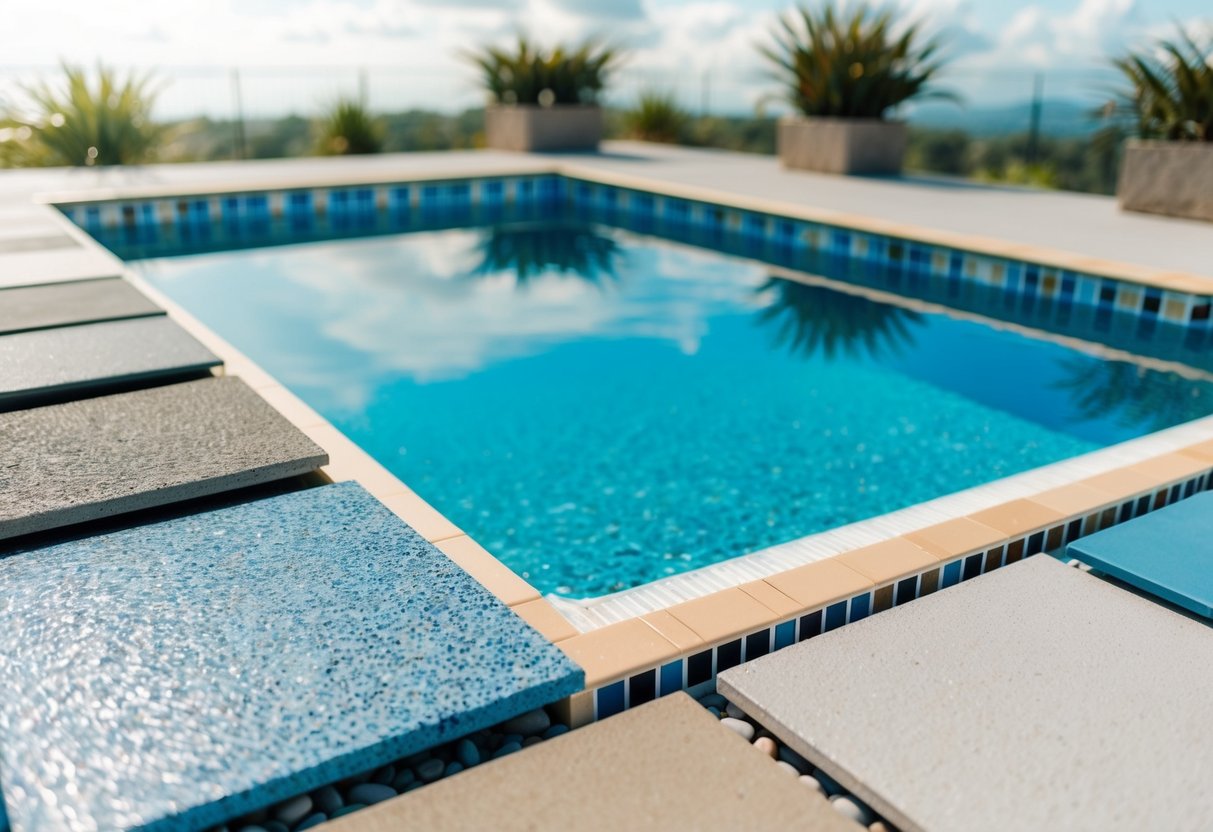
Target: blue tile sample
{"x":1168,"y":553}
{"x":183,"y":673}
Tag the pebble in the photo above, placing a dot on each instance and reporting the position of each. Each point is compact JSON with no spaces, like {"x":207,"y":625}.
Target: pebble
{"x":788,"y":767}
{"x":713,"y":700}
{"x":294,"y":810}
{"x":403,"y":779}
{"x":276,"y":826}
{"x":733,"y":711}
{"x":828,"y":783}
{"x":812,"y":783}
{"x":529,"y":741}
{"x":879,"y":826}
{"x":555,"y":731}
{"x":384,"y":776}
{"x":528,"y":724}
{"x":851,"y":808}
{"x":511,"y":738}
{"x":345,"y":810}
{"x":790,"y":757}
{"x":714,"y":711}
{"x":328,"y":799}
{"x":740,"y":727}
{"x":371,"y":793}
{"x":767,"y":746}
{"x":508,"y":748}
{"x":430,"y":770}
{"x":467,"y":753}
{"x":311,"y":821}
{"x":452,"y":768}
{"x":416,"y":784}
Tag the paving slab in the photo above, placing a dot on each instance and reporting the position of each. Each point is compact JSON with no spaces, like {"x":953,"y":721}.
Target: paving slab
{"x":63,"y":304}
{"x":70,"y":463}
{"x":179,"y":674}
{"x":92,"y":358}
{"x":1034,"y":697}
{"x":34,"y":267}
{"x":1168,"y":553}
{"x":664,"y":765}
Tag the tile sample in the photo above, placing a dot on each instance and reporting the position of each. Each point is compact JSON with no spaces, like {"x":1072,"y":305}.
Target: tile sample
{"x":667,"y":764}
{"x":1033,"y":697}
{"x":1168,"y":553}
{"x":64,"y":304}
{"x":87,"y":359}
{"x":180,"y":674}
{"x":68,"y":463}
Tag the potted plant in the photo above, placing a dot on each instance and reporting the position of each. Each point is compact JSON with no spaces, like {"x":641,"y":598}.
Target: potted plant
{"x":544,"y":99}
{"x":842,"y":72}
{"x":1168,"y":168}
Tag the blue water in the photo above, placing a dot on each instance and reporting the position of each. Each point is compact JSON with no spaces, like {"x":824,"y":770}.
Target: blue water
{"x":601,"y":409}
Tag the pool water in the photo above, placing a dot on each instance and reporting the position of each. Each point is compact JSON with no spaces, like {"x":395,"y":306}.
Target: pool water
{"x":600,"y":409}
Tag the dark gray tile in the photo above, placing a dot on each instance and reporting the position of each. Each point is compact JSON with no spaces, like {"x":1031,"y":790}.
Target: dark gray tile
{"x":1034,"y":697}
{"x":63,"y":304}
{"x":73,"y":361}
{"x":174,"y":675}
{"x":83,"y":460}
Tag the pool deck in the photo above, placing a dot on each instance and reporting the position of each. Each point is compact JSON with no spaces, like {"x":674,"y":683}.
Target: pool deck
{"x":733,"y":603}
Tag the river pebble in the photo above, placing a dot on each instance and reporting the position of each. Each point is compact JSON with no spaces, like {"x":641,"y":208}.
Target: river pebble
{"x":312,"y":821}
{"x":431,"y":769}
{"x":528,"y":724}
{"x":294,"y":810}
{"x":767,"y":746}
{"x":812,"y":783}
{"x":328,"y":800}
{"x":740,"y":727}
{"x":790,"y":757}
{"x":403,"y":779}
{"x":733,"y":711}
{"x":555,"y":731}
{"x":508,"y":748}
{"x":851,"y":808}
{"x":788,"y":767}
{"x":372,"y":793}
{"x":467,"y":753}
{"x":713,"y":700}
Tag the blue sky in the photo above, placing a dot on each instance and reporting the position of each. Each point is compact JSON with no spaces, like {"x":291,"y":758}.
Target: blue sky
{"x":296,"y":54}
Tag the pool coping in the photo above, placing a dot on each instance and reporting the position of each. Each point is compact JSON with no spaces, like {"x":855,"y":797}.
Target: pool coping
{"x":654,"y":639}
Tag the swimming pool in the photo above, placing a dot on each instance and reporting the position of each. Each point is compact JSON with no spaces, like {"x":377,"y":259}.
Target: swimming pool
{"x":600,"y":408}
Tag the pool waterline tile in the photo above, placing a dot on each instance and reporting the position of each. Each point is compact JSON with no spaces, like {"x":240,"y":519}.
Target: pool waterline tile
{"x":357,"y":643}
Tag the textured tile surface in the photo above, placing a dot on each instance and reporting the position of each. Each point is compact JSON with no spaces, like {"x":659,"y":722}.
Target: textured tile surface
{"x":78,"y":461}
{"x":62,"y":304}
{"x":664,"y":765}
{"x":94,"y":357}
{"x":175,"y":675}
{"x":1034,"y":697}
{"x":1168,"y":552}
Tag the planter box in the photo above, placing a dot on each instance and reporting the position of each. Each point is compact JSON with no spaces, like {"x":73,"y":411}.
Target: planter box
{"x":1172,"y":178}
{"x":528,"y":128}
{"x":842,"y":145}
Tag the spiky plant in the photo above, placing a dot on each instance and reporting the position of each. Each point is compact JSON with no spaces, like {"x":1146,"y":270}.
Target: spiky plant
{"x":532,"y":249}
{"x":1170,"y":94}
{"x":1132,"y":396}
{"x":78,"y":123}
{"x":349,"y":128}
{"x":529,"y":74}
{"x":852,"y":63}
{"x":657,"y":118}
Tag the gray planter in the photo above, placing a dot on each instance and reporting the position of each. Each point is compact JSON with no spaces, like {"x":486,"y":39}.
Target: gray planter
{"x":842,"y":145}
{"x":527,"y":127}
{"x":1172,"y":178}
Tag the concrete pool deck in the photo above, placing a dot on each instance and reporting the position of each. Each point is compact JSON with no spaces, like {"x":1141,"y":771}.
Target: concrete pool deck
{"x":889,"y":563}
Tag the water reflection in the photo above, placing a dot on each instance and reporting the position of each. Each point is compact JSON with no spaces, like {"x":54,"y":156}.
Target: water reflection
{"x":530,"y":250}
{"x":1133,"y":396}
{"x":812,"y":320}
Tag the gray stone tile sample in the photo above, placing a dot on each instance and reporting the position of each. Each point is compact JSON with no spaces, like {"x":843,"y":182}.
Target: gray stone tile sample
{"x":92,"y":358}
{"x":79,"y":461}
{"x":664,"y":765}
{"x":63,"y":304}
{"x":175,"y":675}
{"x":1034,"y":697}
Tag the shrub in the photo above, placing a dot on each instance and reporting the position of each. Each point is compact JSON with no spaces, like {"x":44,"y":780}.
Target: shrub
{"x":657,"y":118}
{"x":528,"y":74}
{"x":349,"y":128}
{"x":1170,"y":93}
{"x":856,"y":63}
{"x":79,"y":124}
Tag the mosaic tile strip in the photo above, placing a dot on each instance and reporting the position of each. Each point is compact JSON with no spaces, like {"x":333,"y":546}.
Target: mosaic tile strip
{"x":988,"y":707}
{"x":111,"y":455}
{"x":62,"y":304}
{"x":176,"y":675}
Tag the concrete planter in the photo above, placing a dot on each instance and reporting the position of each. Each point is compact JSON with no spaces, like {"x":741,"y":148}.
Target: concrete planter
{"x":842,"y":145}
{"x":1172,"y":178}
{"x":527,"y":127}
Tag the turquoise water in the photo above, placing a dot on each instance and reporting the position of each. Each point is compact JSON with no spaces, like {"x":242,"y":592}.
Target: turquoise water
{"x":600,"y":409}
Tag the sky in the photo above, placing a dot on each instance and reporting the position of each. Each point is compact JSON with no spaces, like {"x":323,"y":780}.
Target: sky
{"x":296,"y":55}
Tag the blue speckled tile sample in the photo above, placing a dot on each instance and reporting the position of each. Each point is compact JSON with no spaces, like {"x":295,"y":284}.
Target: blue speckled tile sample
{"x":179,"y":674}
{"x":1168,"y":553}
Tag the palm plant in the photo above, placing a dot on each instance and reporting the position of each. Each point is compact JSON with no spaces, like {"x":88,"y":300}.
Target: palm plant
{"x":856,"y":63}
{"x":530,"y":250}
{"x":657,"y":118}
{"x":1170,"y":94}
{"x":816,"y":319}
{"x":528,"y":74}
{"x":349,"y":128}
{"x":80,"y":124}
{"x":1132,"y":396}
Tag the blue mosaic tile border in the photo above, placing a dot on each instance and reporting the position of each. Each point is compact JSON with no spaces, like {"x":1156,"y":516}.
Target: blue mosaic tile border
{"x":697,"y":671}
{"x":354,"y":207}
